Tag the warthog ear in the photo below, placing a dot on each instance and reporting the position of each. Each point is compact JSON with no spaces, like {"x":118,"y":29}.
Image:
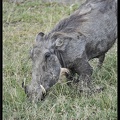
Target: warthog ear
{"x":86,"y":10}
{"x":39,"y":37}
{"x":61,"y":43}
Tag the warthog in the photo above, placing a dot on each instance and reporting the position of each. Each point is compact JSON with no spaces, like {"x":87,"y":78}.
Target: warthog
{"x":86,"y":34}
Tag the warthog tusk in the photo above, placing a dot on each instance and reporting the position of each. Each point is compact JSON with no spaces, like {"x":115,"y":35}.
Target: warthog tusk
{"x":43,"y":89}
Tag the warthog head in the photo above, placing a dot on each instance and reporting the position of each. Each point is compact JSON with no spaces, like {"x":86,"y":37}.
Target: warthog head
{"x":46,"y":68}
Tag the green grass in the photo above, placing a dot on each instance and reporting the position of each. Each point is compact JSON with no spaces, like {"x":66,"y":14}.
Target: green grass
{"x":21,"y":23}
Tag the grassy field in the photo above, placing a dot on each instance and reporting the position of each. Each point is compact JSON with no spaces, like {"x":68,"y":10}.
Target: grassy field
{"x":21,"y":23}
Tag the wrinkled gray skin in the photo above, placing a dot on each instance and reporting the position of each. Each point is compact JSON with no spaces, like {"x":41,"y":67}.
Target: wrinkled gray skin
{"x":86,"y":34}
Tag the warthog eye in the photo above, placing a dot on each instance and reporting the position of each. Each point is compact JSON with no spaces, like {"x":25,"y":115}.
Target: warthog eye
{"x":47,"y":54}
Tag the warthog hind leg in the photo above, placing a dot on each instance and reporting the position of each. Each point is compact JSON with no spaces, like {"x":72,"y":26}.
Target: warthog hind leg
{"x":101,"y":59}
{"x":85,"y":84}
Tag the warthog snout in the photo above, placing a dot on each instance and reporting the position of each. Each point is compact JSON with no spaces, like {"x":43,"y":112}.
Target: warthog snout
{"x":35,"y":94}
